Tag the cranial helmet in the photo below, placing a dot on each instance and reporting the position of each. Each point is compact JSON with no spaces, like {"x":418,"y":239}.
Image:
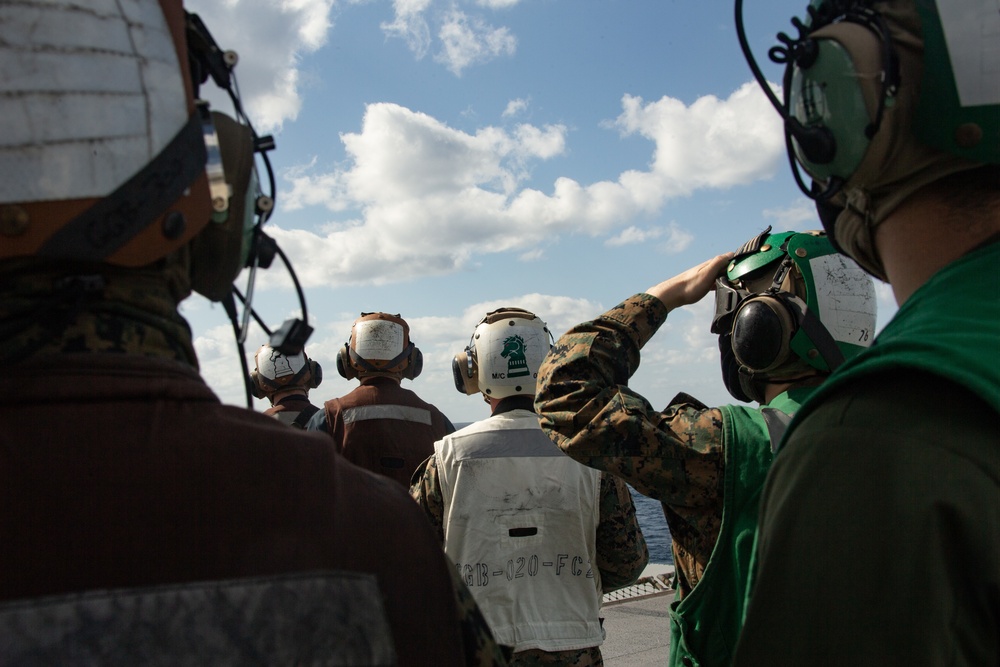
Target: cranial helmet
{"x":380,"y":345}
{"x":882,"y":99}
{"x":503,"y":357}
{"x":276,"y":372}
{"x":111,"y":158}
{"x":789,"y":306}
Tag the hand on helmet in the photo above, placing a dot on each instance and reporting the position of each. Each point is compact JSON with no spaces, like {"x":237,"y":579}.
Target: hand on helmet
{"x":692,"y":285}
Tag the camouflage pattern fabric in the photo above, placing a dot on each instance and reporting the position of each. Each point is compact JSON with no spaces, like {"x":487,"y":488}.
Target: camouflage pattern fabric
{"x":65,"y":308}
{"x":621,"y":550}
{"x":675,"y":455}
{"x":585,"y":657}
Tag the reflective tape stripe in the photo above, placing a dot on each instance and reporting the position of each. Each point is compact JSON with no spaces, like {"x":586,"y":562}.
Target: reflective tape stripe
{"x":400,"y":412}
{"x":505,"y":444}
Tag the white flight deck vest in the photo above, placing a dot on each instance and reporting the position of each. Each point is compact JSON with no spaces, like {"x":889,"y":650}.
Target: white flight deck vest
{"x":520,"y":521}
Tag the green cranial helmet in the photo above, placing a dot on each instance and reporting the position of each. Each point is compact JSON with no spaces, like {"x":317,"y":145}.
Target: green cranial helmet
{"x":790,"y":306}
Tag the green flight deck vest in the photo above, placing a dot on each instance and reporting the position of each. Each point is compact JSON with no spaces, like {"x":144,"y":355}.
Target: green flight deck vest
{"x":705,"y":625}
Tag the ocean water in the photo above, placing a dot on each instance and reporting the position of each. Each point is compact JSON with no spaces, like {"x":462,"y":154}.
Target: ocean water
{"x":654,"y":527}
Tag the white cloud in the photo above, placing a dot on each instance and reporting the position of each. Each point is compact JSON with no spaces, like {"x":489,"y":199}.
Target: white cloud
{"x":800,"y":216}
{"x":713,"y":143}
{"x":425,"y":197}
{"x":632,"y":235}
{"x":269,"y":38}
{"x":463,"y":40}
{"x":220,"y":365}
{"x":677,"y":239}
{"x":467,"y":41}
{"x":515,"y":107}
{"x":410,"y":25}
{"x":497,"y":4}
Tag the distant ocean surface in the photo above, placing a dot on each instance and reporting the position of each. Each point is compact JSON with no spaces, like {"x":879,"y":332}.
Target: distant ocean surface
{"x":654,"y":527}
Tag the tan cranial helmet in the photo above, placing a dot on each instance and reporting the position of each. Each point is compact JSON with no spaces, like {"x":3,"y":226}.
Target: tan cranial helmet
{"x":380,"y":345}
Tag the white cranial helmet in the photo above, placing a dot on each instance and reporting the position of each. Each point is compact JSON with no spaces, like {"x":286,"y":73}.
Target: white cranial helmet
{"x":275,"y":372}
{"x":504,"y":355}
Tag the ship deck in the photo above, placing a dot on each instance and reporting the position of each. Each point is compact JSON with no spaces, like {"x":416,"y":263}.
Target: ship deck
{"x":637,"y":620}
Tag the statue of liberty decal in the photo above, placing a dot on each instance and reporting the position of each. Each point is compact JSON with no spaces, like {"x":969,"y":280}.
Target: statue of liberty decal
{"x":513,"y":351}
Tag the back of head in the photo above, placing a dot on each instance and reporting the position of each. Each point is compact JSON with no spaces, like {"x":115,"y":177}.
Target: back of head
{"x":790,"y":308}
{"x":380,"y":346}
{"x":885,"y":99}
{"x":275,"y":372}
{"x":503,"y":357}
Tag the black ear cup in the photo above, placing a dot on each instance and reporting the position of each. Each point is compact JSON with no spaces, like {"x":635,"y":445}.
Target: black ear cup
{"x":217,"y":252}
{"x":344,"y":367}
{"x":762,"y":333}
{"x":315,"y":374}
{"x":255,"y":389}
{"x":415,"y":363}
{"x":731,"y":369}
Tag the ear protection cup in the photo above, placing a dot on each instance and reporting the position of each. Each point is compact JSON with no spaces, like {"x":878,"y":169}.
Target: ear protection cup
{"x":465,"y":372}
{"x":831,"y":81}
{"x":219,"y":252}
{"x":762,"y":332}
{"x":731,"y":369}
{"x":315,"y":374}
{"x":344,"y":367}
{"x":414,"y":364}
{"x":255,"y":389}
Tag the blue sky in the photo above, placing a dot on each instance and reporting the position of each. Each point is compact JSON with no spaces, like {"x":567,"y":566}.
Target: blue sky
{"x":441,"y":158}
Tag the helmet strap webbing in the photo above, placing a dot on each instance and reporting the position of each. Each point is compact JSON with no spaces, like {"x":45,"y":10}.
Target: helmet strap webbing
{"x":137,"y":203}
{"x":821,"y":338}
{"x":818,"y":334}
{"x":372,"y":368}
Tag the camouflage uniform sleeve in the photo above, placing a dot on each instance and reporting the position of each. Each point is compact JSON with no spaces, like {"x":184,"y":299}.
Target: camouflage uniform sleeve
{"x":621,"y":548}
{"x":675,"y":456}
{"x":425,"y":488}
